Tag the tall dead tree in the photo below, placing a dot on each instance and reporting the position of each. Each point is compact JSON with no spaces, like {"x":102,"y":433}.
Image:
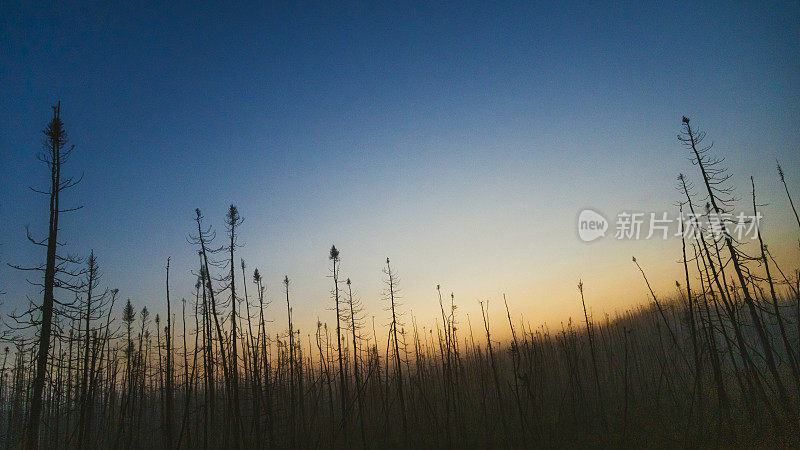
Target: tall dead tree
{"x":55,"y":155}
{"x":391,"y":285}
{"x":168,"y":369}
{"x":232,"y":220}
{"x":789,"y":196}
{"x":589,"y":334}
{"x":92,"y":308}
{"x":355,"y":310}
{"x":204,"y":237}
{"x":264,"y":360}
{"x":334,"y":257}
{"x":698,"y":375}
{"x":291,"y":360}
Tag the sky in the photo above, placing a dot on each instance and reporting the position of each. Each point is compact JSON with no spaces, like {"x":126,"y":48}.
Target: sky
{"x":459,"y":139}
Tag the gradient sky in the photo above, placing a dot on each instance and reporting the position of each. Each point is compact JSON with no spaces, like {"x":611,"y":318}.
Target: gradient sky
{"x":459,"y":139}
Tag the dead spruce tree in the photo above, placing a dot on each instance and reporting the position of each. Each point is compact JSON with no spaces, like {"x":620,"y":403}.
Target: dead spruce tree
{"x":92,"y":308}
{"x":168,"y":369}
{"x":58,"y":269}
{"x":590,"y":336}
{"x":334,"y":257}
{"x":355,"y":325}
{"x":232,"y":220}
{"x":690,"y":308}
{"x":292,"y":412}
{"x":262,"y":341}
{"x":204,"y":237}
{"x":789,"y":196}
{"x":391,"y":293}
{"x":126,"y":410}
{"x":251,"y":351}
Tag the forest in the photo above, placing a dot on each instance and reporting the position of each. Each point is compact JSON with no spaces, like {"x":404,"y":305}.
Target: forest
{"x":715,"y":363}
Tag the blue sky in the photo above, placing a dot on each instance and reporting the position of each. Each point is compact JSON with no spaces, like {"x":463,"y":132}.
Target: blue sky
{"x":459,"y":139}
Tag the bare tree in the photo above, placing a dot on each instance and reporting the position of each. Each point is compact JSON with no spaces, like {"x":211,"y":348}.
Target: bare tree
{"x":55,"y":155}
{"x":789,"y":196}
{"x":391,"y":286}
{"x":232,"y":220}
{"x":291,"y":361}
{"x":355,"y":325}
{"x":168,"y":370}
{"x":334,"y":257}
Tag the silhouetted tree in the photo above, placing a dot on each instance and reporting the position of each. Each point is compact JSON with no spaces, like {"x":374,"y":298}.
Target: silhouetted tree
{"x":168,"y":370}
{"x":355,"y":309}
{"x":334,"y":257}
{"x":232,"y":220}
{"x":391,"y":285}
{"x":55,"y":155}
